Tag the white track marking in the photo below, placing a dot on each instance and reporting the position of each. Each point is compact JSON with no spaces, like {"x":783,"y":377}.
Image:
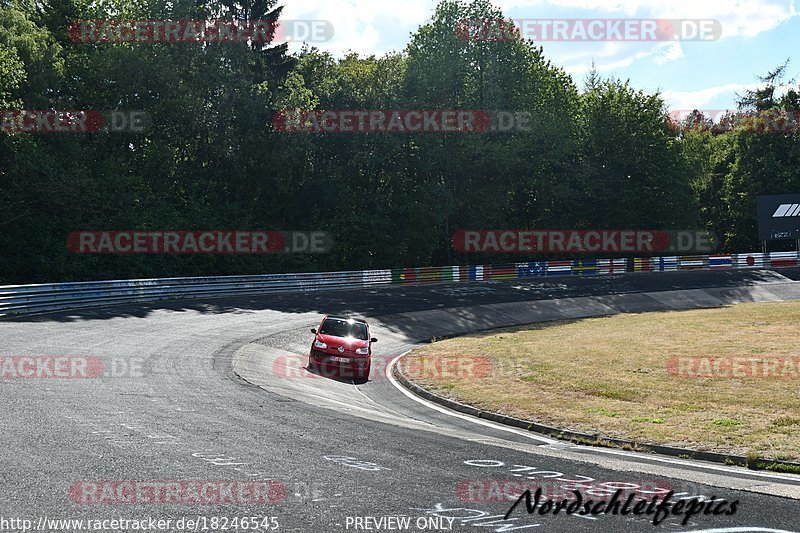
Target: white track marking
{"x":741,"y":530}
{"x":458,"y":415}
{"x":720,"y":468}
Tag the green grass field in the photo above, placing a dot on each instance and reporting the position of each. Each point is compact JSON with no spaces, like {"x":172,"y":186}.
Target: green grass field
{"x":612,"y":376}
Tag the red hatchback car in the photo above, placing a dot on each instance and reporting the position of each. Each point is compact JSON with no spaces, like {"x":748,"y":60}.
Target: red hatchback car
{"x":342,"y":348}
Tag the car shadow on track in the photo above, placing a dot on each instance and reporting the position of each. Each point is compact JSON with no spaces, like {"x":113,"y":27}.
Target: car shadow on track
{"x":333,"y":377}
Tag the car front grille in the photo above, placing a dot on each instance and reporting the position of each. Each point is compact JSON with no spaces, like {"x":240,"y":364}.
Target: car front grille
{"x":360,"y":360}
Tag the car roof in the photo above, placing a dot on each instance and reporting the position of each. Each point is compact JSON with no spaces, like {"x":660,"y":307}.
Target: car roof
{"x":346,"y":319}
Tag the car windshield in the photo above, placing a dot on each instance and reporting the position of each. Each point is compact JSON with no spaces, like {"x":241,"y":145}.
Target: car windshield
{"x":344,"y":328}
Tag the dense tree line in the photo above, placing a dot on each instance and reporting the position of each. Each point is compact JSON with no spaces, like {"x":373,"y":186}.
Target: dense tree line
{"x":601,"y":154}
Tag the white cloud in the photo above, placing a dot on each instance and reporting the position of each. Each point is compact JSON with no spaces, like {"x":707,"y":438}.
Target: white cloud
{"x":615,"y":56}
{"x":666,"y":52}
{"x":609,"y":66}
{"x":363,"y":25}
{"x":702,"y":98}
{"x":744,"y":17}
{"x":373,"y":26}
{"x":378,"y":27}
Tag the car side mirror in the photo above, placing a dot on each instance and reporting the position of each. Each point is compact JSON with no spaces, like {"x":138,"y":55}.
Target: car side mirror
{"x":373,"y":339}
{"x":313,"y":330}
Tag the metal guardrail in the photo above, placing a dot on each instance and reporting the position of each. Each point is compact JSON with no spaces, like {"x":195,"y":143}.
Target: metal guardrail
{"x":27,"y":299}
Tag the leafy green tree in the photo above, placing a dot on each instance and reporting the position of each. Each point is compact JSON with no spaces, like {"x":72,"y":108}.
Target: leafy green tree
{"x":765,"y":159}
{"x":606,"y":156}
{"x":635,"y":174}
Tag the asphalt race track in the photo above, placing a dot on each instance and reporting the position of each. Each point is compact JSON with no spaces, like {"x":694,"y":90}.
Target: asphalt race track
{"x":170,"y":408}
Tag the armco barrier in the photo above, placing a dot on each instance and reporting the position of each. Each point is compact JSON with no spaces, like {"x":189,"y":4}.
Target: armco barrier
{"x":783,"y":259}
{"x":26,"y":299}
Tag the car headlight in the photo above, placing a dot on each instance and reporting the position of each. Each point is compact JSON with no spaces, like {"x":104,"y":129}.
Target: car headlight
{"x":319,"y":344}
{"x":363,"y":351}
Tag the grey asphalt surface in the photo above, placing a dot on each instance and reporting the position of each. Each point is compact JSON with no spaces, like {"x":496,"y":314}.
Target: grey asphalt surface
{"x":174,"y":410}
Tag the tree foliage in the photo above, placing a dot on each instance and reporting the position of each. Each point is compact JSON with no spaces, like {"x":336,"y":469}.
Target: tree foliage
{"x":602,"y":156}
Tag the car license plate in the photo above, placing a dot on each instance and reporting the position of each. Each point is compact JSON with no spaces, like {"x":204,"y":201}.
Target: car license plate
{"x":336,"y":359}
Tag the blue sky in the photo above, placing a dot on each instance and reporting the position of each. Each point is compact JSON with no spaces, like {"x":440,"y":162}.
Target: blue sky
{"x":757,"y":35}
